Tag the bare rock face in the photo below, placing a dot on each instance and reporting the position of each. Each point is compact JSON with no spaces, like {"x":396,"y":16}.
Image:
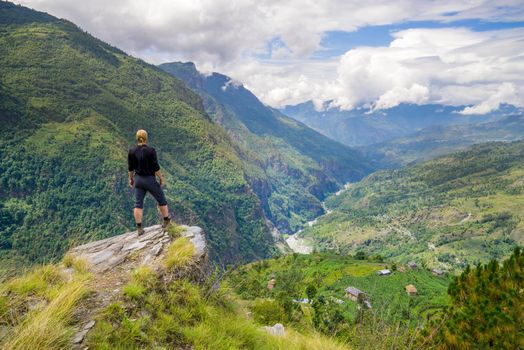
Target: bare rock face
{"x":146,"y":249}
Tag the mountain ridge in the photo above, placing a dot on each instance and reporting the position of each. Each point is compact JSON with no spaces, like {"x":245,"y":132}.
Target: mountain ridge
{"x":363,"y":127}
{"x":435,"y":141}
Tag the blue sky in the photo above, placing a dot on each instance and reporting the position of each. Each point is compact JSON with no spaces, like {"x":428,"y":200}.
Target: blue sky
{"x":336,"y":43}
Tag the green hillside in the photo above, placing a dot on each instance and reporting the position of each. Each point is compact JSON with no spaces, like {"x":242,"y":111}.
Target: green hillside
{"x":291,"y":167}
{"x":323,"y":278}
{"x":69,"y":107}
{"x":458,"y":209}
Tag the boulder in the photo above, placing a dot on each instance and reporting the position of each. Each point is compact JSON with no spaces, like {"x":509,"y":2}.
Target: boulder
{"x":277,"y":329}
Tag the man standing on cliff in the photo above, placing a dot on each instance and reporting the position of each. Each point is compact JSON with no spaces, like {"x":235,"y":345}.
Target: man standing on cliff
{"x":143,"y":169}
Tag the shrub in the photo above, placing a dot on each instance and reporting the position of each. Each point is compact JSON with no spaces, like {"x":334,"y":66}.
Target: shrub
{"x":267,"y":311}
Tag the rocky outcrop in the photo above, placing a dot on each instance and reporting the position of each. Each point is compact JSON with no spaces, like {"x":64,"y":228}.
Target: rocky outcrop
{"x":146,"y":249}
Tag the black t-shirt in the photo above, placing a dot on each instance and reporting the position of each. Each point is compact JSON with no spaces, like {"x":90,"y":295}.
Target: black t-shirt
{"x":142,"y":160}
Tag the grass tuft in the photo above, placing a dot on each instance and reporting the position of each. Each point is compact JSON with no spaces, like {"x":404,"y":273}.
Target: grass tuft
{"x":179,"y":254}
{"x":134,"y":291}
{"x":175,"y":230}
{"x":68,"y":260}
{"x":144,"y":276}
{"x":78,"y":265}
{"x":48,"y":328}
{"x":35,"y":282}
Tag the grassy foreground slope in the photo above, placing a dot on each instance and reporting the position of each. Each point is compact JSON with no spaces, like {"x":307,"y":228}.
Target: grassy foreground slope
{"x":69,"y":107}
{"x":165,"y":306}
{"x":462,"y":208}
{"x":292,"y":167}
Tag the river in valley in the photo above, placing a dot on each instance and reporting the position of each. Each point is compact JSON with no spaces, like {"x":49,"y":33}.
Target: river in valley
{"x":302,"y":245}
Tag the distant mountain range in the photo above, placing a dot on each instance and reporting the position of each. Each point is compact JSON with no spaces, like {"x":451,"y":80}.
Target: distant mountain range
{"x":438,"y":140}
{"x":291,"y":167}
{"x":360,"y":127}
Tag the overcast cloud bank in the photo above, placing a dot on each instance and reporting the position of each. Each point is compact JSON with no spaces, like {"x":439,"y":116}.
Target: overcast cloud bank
{"x":268,"y":46}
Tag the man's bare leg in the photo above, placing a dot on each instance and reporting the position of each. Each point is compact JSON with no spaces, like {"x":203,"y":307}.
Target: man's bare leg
{"x":138,"y":215}
{"x":164,"y":211}
{"x":138,"y":219}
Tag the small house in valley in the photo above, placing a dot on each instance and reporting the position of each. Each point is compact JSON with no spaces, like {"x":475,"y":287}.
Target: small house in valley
{"x":384,"y":272}
{"x":357,"y":295}
{"x":412,"y":265}
{"x":437,"y":272}
{"x":411,"y":290}
{"x":354,"y":293}
{"x":271,"y":284}
{"x":301,"y":301}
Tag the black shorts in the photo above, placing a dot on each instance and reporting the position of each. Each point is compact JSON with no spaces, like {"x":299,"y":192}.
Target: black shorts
{"x":144,"y":184}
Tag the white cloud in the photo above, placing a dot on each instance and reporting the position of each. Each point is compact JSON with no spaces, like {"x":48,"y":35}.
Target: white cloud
{"x":234,"y":84}
{"x":417,"y":94}
{"x":505,"y":93}
{"x":455,"y":66}
{"x":420,"y":65}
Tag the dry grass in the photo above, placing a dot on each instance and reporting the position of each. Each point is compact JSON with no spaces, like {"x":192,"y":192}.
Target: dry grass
{"x":179,"y":254}
{"x":78,"y":265}
{"x":48,"y":328}
{"x":36,"y":282}
{"x":46,"y":324}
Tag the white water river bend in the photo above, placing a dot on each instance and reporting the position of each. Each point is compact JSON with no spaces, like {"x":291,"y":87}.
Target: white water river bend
{"x":303,"y":246}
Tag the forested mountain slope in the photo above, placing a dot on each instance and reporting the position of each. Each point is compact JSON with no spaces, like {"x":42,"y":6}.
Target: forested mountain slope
{"x":69,"y":107}
{"x":463,"y":208}
{"x":292,"y":167}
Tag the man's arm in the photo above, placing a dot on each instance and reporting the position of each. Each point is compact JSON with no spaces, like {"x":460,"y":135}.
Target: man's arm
{"x":131,"y":178}
{"x":160,"y":177}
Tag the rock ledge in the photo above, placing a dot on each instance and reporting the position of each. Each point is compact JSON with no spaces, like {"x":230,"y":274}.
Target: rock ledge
{"x":147,"y":249}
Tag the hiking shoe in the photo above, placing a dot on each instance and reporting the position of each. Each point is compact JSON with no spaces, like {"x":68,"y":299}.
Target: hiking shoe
{"x":140,"y":231}
{"x":166,"y":223}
